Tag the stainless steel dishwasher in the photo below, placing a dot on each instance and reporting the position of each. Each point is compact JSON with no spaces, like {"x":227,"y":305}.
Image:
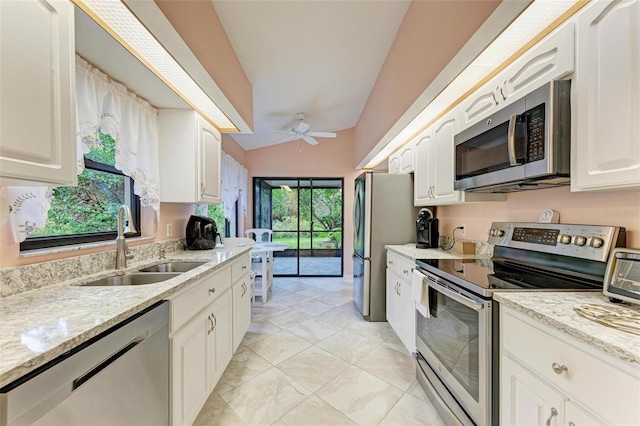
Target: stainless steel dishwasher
{"x":120,"y":377}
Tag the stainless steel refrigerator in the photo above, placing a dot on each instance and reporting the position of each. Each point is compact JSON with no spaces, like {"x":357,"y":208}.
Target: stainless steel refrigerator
{"x":383,"y":213}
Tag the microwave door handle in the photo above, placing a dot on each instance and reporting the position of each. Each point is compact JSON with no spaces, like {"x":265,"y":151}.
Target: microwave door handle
{"x":511,"y":140}
{"x":456,"y":296}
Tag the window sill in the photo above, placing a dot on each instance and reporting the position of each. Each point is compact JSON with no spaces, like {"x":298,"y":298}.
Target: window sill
{"x":77,"y":247}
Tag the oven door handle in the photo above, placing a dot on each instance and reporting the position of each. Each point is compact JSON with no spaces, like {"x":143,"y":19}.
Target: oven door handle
{"x":457,"y":297}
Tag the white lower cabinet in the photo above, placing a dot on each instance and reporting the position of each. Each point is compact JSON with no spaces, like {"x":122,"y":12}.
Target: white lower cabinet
{"x":550,"y":378}
{"x":206,"y":323}
{"x":400,"y":306}
{"x":241,"y":300}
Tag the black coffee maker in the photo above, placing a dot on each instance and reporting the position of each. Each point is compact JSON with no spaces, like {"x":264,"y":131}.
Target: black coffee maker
{"x":427,"y":234}
{"x":201,"y":233}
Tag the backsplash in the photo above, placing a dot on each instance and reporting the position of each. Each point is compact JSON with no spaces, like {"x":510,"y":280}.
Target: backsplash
{"x":31,"y":277}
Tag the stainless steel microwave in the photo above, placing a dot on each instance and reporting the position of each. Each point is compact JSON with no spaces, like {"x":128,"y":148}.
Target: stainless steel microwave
{"x":525,"y":145}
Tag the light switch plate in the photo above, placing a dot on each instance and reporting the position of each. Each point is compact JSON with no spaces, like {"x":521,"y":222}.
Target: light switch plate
{"x":169,"y":229}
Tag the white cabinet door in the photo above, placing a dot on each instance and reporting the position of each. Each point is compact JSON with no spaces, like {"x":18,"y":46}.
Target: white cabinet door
{"x":37,"y":83}
{"x":219,"y":338}
{"x":241,"y":310}
{"x":552,"y":58}
{"x":525,"y":399}
{"x":406,"y":158}
{"x":393,"y":282}
{"x":576,"y":416}
{"x":407,"y":317}
{"x":606,"y":129}
{"x":209,"y":162}
{"x":422,"y":175}
{"x":189,"y":158}
{"x":444,"y":164}
{"x":394,"y":163}
{"x":189,"y":387}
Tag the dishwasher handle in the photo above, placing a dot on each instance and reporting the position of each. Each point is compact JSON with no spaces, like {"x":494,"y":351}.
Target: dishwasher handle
{"x":104,"y":364}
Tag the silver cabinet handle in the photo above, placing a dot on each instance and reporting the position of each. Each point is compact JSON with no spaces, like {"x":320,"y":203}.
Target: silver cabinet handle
{"x":405,"y":271}
{"x":572,"y":424}
{"x":504,"y":98}
{"x":398,"y":289}
{"x":212,"y":290}
{"x":553,"y":413}
{"x":494,"y":97}
{"x":244,"y":267}
{"x":201,"y":189}
{"x":211,"y":321}
{"x":391,"y":262}
{"x":215,"y":321}
{"x":558,"y":368}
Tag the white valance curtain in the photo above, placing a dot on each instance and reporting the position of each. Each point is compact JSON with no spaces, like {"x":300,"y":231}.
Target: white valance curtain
{"x":106,"y":106}
{"x":234,"y":185}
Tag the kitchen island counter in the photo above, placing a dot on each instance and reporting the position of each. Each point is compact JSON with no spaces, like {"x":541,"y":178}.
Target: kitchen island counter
{"x":40,"y":325}
{"x":555,"y":309}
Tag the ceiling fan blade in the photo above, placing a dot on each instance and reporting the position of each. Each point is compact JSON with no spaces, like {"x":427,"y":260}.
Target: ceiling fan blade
{"x":309,"y":140}
{"x":288,"y":138}
{"x":301,"y":127}
{"x":322,"y":134}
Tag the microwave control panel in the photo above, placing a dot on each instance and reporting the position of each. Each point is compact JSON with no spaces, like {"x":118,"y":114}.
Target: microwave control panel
{"x":535,"y":127}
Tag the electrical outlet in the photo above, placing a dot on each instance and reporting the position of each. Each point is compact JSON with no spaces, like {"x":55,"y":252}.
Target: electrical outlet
{"x":463,"y":231}
{"x":169,"y":229}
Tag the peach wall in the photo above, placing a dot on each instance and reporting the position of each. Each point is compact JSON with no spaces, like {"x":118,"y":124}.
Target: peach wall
{"x":430,"y":35}
{"x":590,"y":208}
{"x":197,"y":23}
{"x":330,"y":158}
{"x":233,"y":148}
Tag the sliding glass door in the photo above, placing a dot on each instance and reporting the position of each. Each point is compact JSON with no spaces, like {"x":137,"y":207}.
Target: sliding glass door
{"x":307,"y":215}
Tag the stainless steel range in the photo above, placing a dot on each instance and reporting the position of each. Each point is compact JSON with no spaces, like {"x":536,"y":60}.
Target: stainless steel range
{"x":457,"y":341}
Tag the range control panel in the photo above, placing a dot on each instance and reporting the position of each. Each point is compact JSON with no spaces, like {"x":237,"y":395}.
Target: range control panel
{"x":593,"y":242}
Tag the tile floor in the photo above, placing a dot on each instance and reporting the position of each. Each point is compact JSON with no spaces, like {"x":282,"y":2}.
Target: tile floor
{"x":310,"y":359}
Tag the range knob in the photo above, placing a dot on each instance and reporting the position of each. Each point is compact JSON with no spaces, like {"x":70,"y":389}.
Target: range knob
{"x":579,"y":240}
{"x":564,"y":239}
{"x":595,"y":242}
{"x":497,"y":232}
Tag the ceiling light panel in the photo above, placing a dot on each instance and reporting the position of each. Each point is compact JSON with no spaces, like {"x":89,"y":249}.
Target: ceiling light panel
{"x":123,"y":25}
{"x":529,"y":24}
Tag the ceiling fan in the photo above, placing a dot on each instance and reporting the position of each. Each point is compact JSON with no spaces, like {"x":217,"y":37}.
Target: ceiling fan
{"x":301,"y":131}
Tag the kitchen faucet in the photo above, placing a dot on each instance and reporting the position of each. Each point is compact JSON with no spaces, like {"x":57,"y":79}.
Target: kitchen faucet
{"x":122,"y":251}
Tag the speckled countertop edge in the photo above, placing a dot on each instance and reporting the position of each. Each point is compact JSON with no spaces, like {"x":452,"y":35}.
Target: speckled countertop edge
{"x":40,"y":325}
{"x":555,"y":309}
{"x":412,"y":253}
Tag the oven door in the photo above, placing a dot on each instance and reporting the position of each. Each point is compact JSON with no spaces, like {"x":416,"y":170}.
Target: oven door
{"x":455,"y":342}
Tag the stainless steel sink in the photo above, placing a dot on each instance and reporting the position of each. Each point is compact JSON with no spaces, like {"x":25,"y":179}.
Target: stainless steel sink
{"x":172,"y":267}
{"x":131,"y":279}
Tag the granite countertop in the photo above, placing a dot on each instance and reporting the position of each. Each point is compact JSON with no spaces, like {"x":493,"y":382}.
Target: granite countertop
{"x":40,"y":325}
{"x":410,"y":251}
{"x":555,"y":309}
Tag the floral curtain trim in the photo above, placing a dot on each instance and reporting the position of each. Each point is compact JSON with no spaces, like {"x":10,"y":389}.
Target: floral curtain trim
{"x":29,"y":208}
{"x":234,"y":184}
{"x":108,"y":107}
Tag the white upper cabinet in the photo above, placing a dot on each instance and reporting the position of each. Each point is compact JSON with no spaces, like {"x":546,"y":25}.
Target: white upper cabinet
{"x":606,"y":116}
{"x":422,"y":168}
{"x":434,"y":167}
{"x":189,"y":158}
{"x":550,"y":59}
{"x":402,"y":160}
{"x":37,"y":83}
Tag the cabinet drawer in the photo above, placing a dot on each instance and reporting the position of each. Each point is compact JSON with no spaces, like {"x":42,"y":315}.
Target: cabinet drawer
{"x":197,"y":296}
{"x":240,"y":267}
{"x":599,"y":381}
{"x":400,"y":265}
